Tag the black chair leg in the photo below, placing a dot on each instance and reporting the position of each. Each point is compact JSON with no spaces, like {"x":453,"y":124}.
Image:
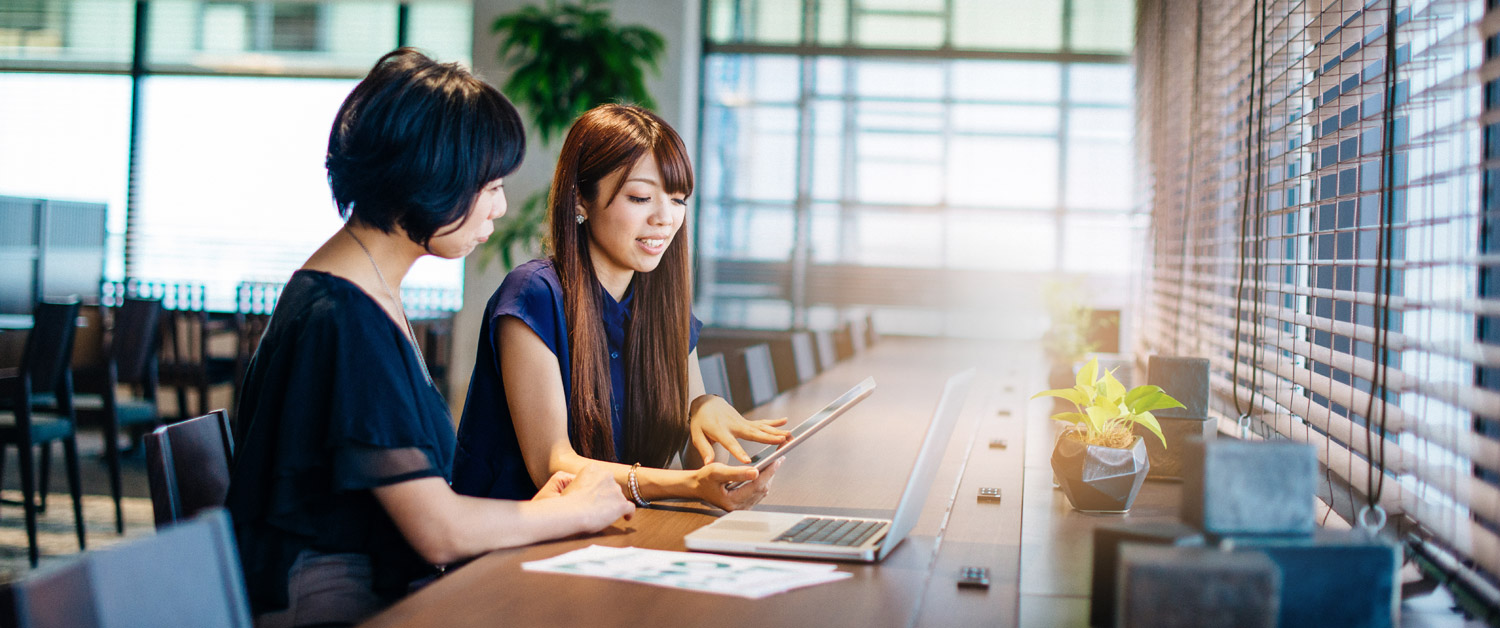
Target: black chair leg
{"x":46,"y":485}
{"x":28,"y":487}
{"x":112,"y":458}
{"x":75,"y":485}
{"x":182,"y":407}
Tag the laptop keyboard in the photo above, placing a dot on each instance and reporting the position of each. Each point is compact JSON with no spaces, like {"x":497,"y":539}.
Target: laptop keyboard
{"x":821,"y":531}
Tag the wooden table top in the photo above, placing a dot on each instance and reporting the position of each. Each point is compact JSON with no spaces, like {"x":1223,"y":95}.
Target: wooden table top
{"x":857,"y":466}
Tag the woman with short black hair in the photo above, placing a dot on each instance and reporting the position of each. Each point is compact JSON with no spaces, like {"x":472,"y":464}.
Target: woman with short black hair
{"x":340,"y":491}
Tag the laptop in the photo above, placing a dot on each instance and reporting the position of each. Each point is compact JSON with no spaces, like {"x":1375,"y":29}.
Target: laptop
{"x":796,"y":535}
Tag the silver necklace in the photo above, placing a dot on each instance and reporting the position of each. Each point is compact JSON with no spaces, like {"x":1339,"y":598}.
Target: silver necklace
{"x":411,"y":336}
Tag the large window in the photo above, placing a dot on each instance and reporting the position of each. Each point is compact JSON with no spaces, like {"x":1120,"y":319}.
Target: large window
{"x":957,"y":154}
{"x":235,"y":103}
{"x":1322,"y":224}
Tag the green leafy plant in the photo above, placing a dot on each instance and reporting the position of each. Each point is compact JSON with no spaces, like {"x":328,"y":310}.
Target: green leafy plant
{"x":1107,"y":413}
{"x":566,"y":58}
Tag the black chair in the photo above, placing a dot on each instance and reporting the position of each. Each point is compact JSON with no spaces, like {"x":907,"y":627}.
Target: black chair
{"x":188,"y":575}
{"x":254,"y":303}
{"x":129,"y":360}
{"x":715,"y":378}
{"x":37,"y":402}
{"x":187,"y":465}
{"x":752,"y":378}
{"x":186,"y":360}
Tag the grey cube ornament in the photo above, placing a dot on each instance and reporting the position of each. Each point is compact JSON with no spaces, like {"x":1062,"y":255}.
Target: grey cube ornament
{"x":1235,"y":487}
{"x":1108,"y":540}
{"x":1333,"y":578}
{"x":1189,"y":587}
{"x":1186,"y":380}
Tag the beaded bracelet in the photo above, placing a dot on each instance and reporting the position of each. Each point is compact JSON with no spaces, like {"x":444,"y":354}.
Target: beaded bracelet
{"x":635,"y":487}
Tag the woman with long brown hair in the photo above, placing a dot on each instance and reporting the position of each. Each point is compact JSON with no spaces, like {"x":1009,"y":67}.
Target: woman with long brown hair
{"x":589,"y":355}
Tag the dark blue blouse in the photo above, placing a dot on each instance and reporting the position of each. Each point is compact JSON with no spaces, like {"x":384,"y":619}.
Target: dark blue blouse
{"x":489,"y":461}
{"x":335,"y":403}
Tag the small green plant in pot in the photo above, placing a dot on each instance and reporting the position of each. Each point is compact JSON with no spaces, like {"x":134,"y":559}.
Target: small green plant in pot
{"x":1099,"y":461}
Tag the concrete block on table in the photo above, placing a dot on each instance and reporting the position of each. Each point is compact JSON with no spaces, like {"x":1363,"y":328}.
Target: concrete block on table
{"x":1185,"y":379}
{"x":1108,"y":540}
{"x":1235,"y":487}
{"x":1188,"y":587}
{"x":1333,"y":578}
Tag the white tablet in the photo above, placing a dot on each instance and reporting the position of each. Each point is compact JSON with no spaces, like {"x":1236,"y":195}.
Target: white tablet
{"x":771,"y":453}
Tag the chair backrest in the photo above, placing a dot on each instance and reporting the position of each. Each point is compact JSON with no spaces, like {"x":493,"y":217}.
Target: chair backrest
{"x":49,"y":346}
{"x":858,"y":335}
{"x":752,"y":379}
{"x":843,"y":342}
{"x":794,"y":359}
{"x":715,"y":378}
{"x":761,"y":372}
{"x":133,"y":343}
{"x":188,"y":465}
{"x":188,"y":575}
{"x":827,"y":355}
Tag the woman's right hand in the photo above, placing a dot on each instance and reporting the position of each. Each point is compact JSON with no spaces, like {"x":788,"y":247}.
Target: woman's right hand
{"x":711,"y":481}
{"x":597,"y":496}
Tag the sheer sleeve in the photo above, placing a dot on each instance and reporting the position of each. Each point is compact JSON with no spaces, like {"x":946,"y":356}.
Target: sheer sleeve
{"x":376,"y":434}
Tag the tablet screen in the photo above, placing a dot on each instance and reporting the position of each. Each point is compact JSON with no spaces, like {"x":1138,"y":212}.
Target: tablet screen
{"x":762,"y":459}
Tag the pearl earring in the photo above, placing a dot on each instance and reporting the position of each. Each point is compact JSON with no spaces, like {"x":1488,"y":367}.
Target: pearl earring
{"x":580,"y":218}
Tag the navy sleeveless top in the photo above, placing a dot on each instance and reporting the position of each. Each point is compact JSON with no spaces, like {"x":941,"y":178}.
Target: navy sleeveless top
{"x":488,"y":462}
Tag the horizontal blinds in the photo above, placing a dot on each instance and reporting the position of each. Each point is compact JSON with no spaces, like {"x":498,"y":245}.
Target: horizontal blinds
{"x":1330,"y":253}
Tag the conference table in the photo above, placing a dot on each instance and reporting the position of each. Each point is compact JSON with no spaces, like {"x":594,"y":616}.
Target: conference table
{"x":856,"y":466}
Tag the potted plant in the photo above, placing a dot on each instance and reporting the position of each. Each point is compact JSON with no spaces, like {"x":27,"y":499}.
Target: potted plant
{"x":567,"y":58}
{"x":1099,"y":461}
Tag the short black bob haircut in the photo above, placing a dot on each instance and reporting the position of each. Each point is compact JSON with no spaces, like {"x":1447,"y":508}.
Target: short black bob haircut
{"x":416,"y":141}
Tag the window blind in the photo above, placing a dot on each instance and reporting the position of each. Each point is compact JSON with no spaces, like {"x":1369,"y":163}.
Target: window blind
{"x":1318,"y":176}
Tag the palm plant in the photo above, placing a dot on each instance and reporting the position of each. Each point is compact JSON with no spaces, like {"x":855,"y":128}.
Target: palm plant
{"x":567,"y":58}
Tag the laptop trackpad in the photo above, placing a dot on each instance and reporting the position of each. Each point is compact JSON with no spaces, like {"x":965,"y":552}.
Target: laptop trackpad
{"x":741,"y":525}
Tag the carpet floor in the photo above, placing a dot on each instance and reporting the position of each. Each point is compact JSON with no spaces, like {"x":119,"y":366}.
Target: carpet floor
{"x":56,"y":537}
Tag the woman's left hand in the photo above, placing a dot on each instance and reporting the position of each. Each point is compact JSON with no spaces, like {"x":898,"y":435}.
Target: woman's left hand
{"x":718,"y":422}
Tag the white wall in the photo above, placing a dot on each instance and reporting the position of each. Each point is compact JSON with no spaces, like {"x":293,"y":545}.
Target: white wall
{"x":676,"y":94}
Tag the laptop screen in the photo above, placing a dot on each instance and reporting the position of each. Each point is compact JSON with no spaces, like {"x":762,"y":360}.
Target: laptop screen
{"x":919,"y":483}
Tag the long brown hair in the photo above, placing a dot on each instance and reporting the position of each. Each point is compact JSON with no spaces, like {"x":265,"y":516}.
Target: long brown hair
{"x":605,"y":140}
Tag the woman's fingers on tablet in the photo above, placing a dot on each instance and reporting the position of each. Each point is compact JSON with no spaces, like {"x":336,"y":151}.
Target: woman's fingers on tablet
{"x":734,"y":449}
{"x":703,"y":445}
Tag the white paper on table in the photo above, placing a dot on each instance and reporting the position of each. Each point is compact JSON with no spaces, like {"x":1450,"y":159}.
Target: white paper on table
{"x":710,"y":573}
